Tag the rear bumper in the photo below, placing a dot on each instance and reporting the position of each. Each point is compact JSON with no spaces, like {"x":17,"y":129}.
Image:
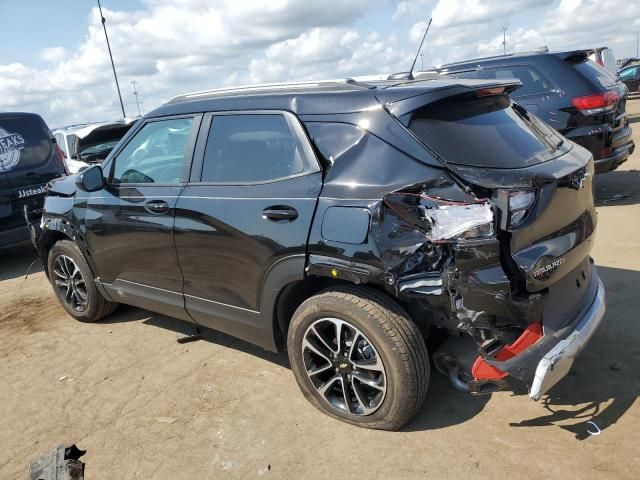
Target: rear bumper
{"x":617,"y":158}
{"x":549,"y":360}
{"x":558,"y":361}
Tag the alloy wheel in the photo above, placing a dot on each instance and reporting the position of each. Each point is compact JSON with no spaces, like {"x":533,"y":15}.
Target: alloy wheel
{"x":344,"y":366}
{"x":70,"y":283}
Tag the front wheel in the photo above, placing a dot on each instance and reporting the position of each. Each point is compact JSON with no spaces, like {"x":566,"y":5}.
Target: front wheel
{"x":358,"y":357}
{"x":72,"y":282}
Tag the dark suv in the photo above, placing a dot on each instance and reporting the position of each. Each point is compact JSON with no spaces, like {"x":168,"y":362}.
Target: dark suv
{"x":29,"y":158}
{"x":576,"y":96}
{"x":347,"y":222}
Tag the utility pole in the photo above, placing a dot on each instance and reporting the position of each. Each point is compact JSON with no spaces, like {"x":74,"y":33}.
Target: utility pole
{"x":504,"y":38}
{"x":113,"y":66}
{"x":135,"y":92}
{"x":421,"y":61}
{"x":637,"y":44}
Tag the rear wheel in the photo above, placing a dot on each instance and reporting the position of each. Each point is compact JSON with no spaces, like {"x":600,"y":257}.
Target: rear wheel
{"x":73,"y":284}
{"x":357,"y":356}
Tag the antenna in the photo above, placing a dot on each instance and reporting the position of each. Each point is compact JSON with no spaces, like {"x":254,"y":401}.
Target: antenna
{"x":419,"y":50}
{"x":104,"y":26}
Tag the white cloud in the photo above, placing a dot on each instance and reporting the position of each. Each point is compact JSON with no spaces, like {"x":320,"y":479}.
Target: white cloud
{"x":173,"y":46}
{"x":52,"y":54}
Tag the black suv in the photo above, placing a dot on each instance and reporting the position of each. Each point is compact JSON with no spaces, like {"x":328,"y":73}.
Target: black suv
{"x":574,"y":95}
{"x":29,"y":158}
{"x":347,"y":222}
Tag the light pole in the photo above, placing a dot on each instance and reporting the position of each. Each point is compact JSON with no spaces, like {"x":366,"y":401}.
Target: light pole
{"x":104,"y":26}
{"x":504,"y":38}
{"x":135,"y":92}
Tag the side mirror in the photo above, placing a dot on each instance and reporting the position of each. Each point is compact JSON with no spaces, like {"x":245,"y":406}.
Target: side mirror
{"x":90,"y":179}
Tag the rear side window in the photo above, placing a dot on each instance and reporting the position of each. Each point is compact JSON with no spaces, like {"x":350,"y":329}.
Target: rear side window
{"x":254,"y":148}
{"x":486,"y":132}
{"x":533,"y":82}
{"x":600,"y":76}
{"x":155,"y":154}
{"x":25,"y":143}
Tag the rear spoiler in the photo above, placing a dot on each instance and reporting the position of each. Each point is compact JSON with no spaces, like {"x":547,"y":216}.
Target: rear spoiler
{"x":402,"y":101}
{"x":575,"y":55}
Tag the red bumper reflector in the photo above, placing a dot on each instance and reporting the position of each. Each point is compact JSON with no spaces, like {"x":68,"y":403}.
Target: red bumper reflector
{"x":481,"y":370}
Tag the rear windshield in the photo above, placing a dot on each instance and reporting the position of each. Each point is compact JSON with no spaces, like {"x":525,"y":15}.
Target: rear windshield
{"x":600,"y":76}
{"x":486,"y":132}
{"x":24,"y":143}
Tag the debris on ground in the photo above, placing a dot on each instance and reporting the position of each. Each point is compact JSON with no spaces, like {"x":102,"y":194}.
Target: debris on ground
{"x":597,"y":430}
{"x":59,"y":464}
{"x":168,"y":420}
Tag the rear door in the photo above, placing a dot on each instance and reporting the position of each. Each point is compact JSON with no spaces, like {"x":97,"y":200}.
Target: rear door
{"x":248,"y":208}
{"x":129,"y":224}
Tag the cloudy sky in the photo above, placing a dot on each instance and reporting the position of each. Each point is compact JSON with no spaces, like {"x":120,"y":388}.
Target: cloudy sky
{"x":54,"y":61}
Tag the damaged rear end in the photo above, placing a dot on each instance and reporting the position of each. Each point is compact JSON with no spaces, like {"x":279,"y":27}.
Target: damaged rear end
{"x":492,"y":247}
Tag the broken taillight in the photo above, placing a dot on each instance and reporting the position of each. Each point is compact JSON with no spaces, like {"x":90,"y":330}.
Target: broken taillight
{"x":444,"y":220}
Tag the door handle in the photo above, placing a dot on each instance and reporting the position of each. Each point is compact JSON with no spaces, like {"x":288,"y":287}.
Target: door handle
{"x":157,"y":206}
{"x":278,"y":213}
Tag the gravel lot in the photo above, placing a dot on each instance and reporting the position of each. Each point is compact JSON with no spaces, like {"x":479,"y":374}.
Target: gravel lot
{"x":144,"y":406}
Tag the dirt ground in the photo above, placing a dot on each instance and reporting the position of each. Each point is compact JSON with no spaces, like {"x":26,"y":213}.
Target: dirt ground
{"x":144,"y":406}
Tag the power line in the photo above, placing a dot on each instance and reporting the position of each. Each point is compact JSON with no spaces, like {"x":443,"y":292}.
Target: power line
{"x":113,"y":66}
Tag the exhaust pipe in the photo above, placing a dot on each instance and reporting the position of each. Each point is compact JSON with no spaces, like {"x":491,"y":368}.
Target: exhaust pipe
{"x":453,"y":370}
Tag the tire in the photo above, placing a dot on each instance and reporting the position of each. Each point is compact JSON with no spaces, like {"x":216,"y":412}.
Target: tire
{"x":389,"y":336}
{"x":66,"y":259}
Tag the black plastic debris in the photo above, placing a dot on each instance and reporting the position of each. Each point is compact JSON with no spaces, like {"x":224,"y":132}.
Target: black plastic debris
{"x":59,"y":464}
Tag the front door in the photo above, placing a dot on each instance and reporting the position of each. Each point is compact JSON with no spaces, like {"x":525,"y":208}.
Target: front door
{"x":129,"y":224}
{"x":247,"y":212}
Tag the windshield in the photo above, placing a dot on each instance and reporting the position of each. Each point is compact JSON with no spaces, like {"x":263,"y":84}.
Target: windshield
{"x":102,"y":147}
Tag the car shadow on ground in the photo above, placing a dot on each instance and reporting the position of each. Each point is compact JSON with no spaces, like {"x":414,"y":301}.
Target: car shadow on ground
{"x":620,"y":187}
{"x":125,"y":314}
{"x":601,"y":387}
{"x":18,"y":261}
{"x":604,"y":381}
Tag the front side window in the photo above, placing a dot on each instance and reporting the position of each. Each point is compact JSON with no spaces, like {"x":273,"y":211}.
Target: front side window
{"x":532,"y":81}
{"x":254,"y":148}
{"x":156,"y":154}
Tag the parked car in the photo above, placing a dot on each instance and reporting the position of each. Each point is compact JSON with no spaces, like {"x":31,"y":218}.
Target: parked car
{"x":630,"y":76}
{"x":574,"y":95}
{"x":347,"y":222}
{"x":29,"y":158}
{"x":604,"y":57}
{"x":89,"y":143}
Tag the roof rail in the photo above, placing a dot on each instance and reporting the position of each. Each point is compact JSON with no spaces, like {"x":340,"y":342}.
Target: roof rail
{"x":269,"y":87}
